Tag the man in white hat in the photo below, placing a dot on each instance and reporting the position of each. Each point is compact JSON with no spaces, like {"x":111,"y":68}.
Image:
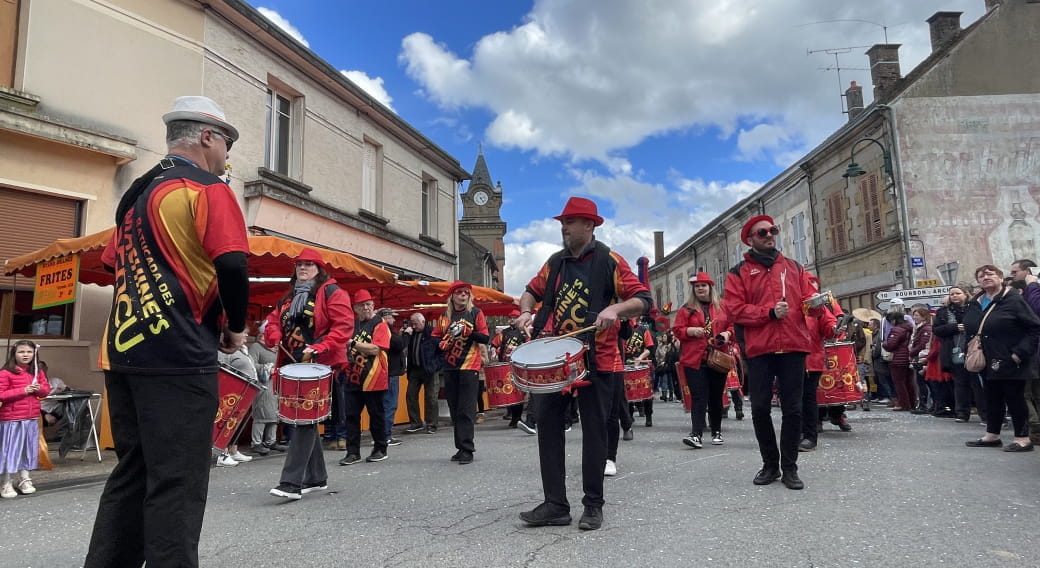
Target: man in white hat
{"x":178,"y":254}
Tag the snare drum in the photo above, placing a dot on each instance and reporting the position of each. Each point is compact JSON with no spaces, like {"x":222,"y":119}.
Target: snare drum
{"x":548,"y":364}
{"x":236,"y":393}
{"x":839,"y":384}
{"x":637,"y":383}
{"x":499,"y":387}
{"x":304,"y":393}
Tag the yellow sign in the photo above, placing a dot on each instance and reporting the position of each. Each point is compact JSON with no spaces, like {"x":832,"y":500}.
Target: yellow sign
{"x":56,"y":281}
{"x":928,"y":283}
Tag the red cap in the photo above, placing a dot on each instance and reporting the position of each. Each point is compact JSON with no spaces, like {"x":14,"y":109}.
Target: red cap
{"x":458,"y":285}
{"x":702,"y":277}
{"x":515,"y":313}
{"x":745,"y":233}
{"x":311,"y":255}
{"x":362,"y":296}
{"x":581,"y":207}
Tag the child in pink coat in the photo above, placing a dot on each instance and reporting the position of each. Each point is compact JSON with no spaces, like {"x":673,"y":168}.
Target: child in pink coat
{"x":22,"y":385}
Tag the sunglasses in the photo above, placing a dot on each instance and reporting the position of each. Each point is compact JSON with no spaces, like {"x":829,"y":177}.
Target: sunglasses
{"x":763,"y":233}
{"x":227,"y":139}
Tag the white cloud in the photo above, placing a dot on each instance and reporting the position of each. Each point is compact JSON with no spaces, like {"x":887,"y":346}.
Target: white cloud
{"x":280,"y":21}
{"x":371,"y":85}
{"x":633,"y":211}
{"x":586,"y":79}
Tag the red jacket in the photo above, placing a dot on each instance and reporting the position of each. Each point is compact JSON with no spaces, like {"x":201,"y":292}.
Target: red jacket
{"x":333,"y":326}
{"x":752,"y":290}
{"x":16,"y":404}
{"x":820,"y":329}
{"x":694,"y":349}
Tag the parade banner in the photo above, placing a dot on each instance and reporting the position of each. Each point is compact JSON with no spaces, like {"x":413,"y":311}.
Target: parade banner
{"x":56,"y":281}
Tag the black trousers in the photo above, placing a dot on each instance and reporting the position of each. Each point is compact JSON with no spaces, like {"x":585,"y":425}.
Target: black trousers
{"x":618,"y":418}
{"x":152,"y":507}
{"x":356,"y":400}
{"x":706,"y":386}
{"x":968,"y":386}
{"x":460,"y":388}
{"x":593,"y":402}
{"x":1010,"y":393}
{"x":810,"y":412}
{"x":305,"y":461}
{"x":787,"y":370}
{"x":427,"y":382}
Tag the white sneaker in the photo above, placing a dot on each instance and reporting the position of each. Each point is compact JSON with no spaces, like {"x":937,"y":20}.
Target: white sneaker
{"x":240,"y":457}
{"x":226,"y":461}
{"x":26,"y":487}
{"x":7,"y":491}
{"x":610,"y":469}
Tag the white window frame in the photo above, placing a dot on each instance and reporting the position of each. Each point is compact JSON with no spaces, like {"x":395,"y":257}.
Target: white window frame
{"x":283,"y":131}
{"x":428,"y":197}
{"x":798,"y":238}
{"x":371,"y":175}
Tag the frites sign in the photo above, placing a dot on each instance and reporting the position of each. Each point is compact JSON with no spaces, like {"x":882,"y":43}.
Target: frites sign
{"x":56,"y":281}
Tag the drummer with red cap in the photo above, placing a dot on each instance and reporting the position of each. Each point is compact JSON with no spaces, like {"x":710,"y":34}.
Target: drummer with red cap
{"x":763,"y":298}
{"x":367,"y":380}
{"x":584,"y":285}
{"x":502,"y":346}
{"x":461,"y":329}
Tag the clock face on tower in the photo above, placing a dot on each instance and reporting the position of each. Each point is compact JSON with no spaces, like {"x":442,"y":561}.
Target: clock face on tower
{"x":480,"y":198}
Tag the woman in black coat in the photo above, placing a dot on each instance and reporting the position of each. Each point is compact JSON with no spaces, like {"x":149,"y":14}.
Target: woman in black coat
{"x":1009,"y":339}
{"x":948,"y":326}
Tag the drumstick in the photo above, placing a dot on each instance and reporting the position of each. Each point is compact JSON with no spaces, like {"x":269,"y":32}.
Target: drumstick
{"x":287,"y":354}
{"x":572,"y":334}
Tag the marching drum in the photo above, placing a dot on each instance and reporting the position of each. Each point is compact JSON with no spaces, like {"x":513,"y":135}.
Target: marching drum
{"x":637,"y":383}
{"x":839,"y":384}
{"x":732,"y":382}
{"x":237,"y":393}
{"x":500,"y":389}
{"x":548,"y":364}
{"x":304,"y":393}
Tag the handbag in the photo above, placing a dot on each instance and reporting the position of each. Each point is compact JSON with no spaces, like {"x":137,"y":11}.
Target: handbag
{"x":974,"y":358}
{"x":719,"y":360}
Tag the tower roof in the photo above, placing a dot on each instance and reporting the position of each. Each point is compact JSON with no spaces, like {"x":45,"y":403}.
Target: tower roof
{"x":481,"y":176}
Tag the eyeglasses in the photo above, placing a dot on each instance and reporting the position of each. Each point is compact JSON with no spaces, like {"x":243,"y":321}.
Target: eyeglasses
{"x":227,"y":139}
{"x":763,"y":233}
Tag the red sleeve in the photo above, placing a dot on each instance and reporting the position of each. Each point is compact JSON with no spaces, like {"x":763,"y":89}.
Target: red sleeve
{"x":108,"y":256}
{"x":340,"y":315}
{"x":219,"y":222}
{"x":537,"y":284}
{"x":496,"y":341}
{"x":440,"y":327}
{"x":825,"y":325}
{"x":648,"y":338}
{"x":481,"y":325}
{"x":381,"y":336}
{"x":682,"y":319}
{"x":45,"y":385}
{"x":273,"y":331}
{"x":626,"y":283}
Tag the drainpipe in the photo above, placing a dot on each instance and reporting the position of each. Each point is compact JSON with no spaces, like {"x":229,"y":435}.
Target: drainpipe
{"x":897,"y":183}
{"x":812,"y":224}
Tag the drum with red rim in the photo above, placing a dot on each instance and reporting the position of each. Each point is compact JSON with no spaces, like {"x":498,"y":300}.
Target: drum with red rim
{"x":304,"y":393}
{"x":236,"y":393}
{"x":548,"y":364}
{"x":499,"y":387}
{"x":637,"y":383}
{"x":839,"y":384}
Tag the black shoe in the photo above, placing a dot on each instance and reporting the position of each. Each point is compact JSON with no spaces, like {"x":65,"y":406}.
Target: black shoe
{"x":920,"y":410}
{"x":843,"y":424}
{"x":414,"y":428}
{"x":945,"y":412}
{"x":628,"y":435}
{"x":277,"y":447}
{"x":350,"y":459}
{"x":287,"y":491}
{"x":649,"y":422}
{"x":260,"y":450}
{"x":541,"y":516}
{"x":513,"y":424}
{"x":431,"y":429}
{"x":465,"y":458}
{"x":791,"y":481}
{"x":591,"y":519}
{"x":309,"y":487}
{"x":806,"y":445}
{"x":980,"y":443}
{"x":457,"y":456}
{"x":740,"y":415}
{"x":526,"y":428}
{"x":376,"y":456}
{"x":767,"y":475}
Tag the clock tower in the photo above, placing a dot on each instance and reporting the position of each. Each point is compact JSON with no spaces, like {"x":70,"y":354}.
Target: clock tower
{"x":482,"y":223}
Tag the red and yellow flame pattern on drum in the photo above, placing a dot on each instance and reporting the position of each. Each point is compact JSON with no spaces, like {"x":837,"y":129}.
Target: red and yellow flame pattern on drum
{"x":304,"y":399}
{"x":839,"y":384}
{"x":236,"y":394}
{"x":499,"y":387}
{"x":637,"y":383}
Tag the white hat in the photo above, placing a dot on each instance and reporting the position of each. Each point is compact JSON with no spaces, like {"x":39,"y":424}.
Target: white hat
{"x":200,"y":109}
{"x":896,"y":302}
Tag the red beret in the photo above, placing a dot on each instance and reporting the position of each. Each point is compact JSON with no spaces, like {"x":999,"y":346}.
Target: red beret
{"x":362,"y":296}
{"x":745,"y":233}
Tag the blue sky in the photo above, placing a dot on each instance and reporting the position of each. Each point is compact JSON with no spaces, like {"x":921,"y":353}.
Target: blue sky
{"x":666,"y":112}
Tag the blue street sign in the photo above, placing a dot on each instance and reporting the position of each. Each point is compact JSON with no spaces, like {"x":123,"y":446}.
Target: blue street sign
{"x":917,"y":261}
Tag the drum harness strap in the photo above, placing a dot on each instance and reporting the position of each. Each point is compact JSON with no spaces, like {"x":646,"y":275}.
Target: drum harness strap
{"x":599,"y":275}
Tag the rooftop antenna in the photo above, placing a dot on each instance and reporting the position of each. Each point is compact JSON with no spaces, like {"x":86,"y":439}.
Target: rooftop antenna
{"x":835,"y":51}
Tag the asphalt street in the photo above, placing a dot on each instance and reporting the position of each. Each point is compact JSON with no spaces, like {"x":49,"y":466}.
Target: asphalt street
{"x":899,"y":490}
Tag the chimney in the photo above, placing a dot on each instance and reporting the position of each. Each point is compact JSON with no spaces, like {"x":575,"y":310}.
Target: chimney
{"x":658,"y":247}
{"x":884,"y":67}
{"x":944,"y":26}
{"x":854,"y":99}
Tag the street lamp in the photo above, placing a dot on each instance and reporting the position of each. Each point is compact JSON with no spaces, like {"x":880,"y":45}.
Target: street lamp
{"x":855,"y":170}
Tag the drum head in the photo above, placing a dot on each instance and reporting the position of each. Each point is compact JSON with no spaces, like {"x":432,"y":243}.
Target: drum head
{"x":305,"y":371}
{"x":546,"y":351}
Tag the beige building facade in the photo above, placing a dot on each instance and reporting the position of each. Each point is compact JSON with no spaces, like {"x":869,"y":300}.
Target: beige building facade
{"x":83,"y":86}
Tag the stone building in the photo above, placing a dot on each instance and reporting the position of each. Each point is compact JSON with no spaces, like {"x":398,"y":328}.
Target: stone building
{"x":940,"y":171}
{"x":482,"y":254}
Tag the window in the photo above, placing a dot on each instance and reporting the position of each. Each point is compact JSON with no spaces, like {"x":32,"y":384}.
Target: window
{"x":680,"y":289}
{"x":836,"y":226}
{"x":870,"y":193}
{"x":428,"y":200}
{"x":798,"y":238}
{"x":371,"y":176}
{"x":282,"y":131}
{"x":8,"y":41}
